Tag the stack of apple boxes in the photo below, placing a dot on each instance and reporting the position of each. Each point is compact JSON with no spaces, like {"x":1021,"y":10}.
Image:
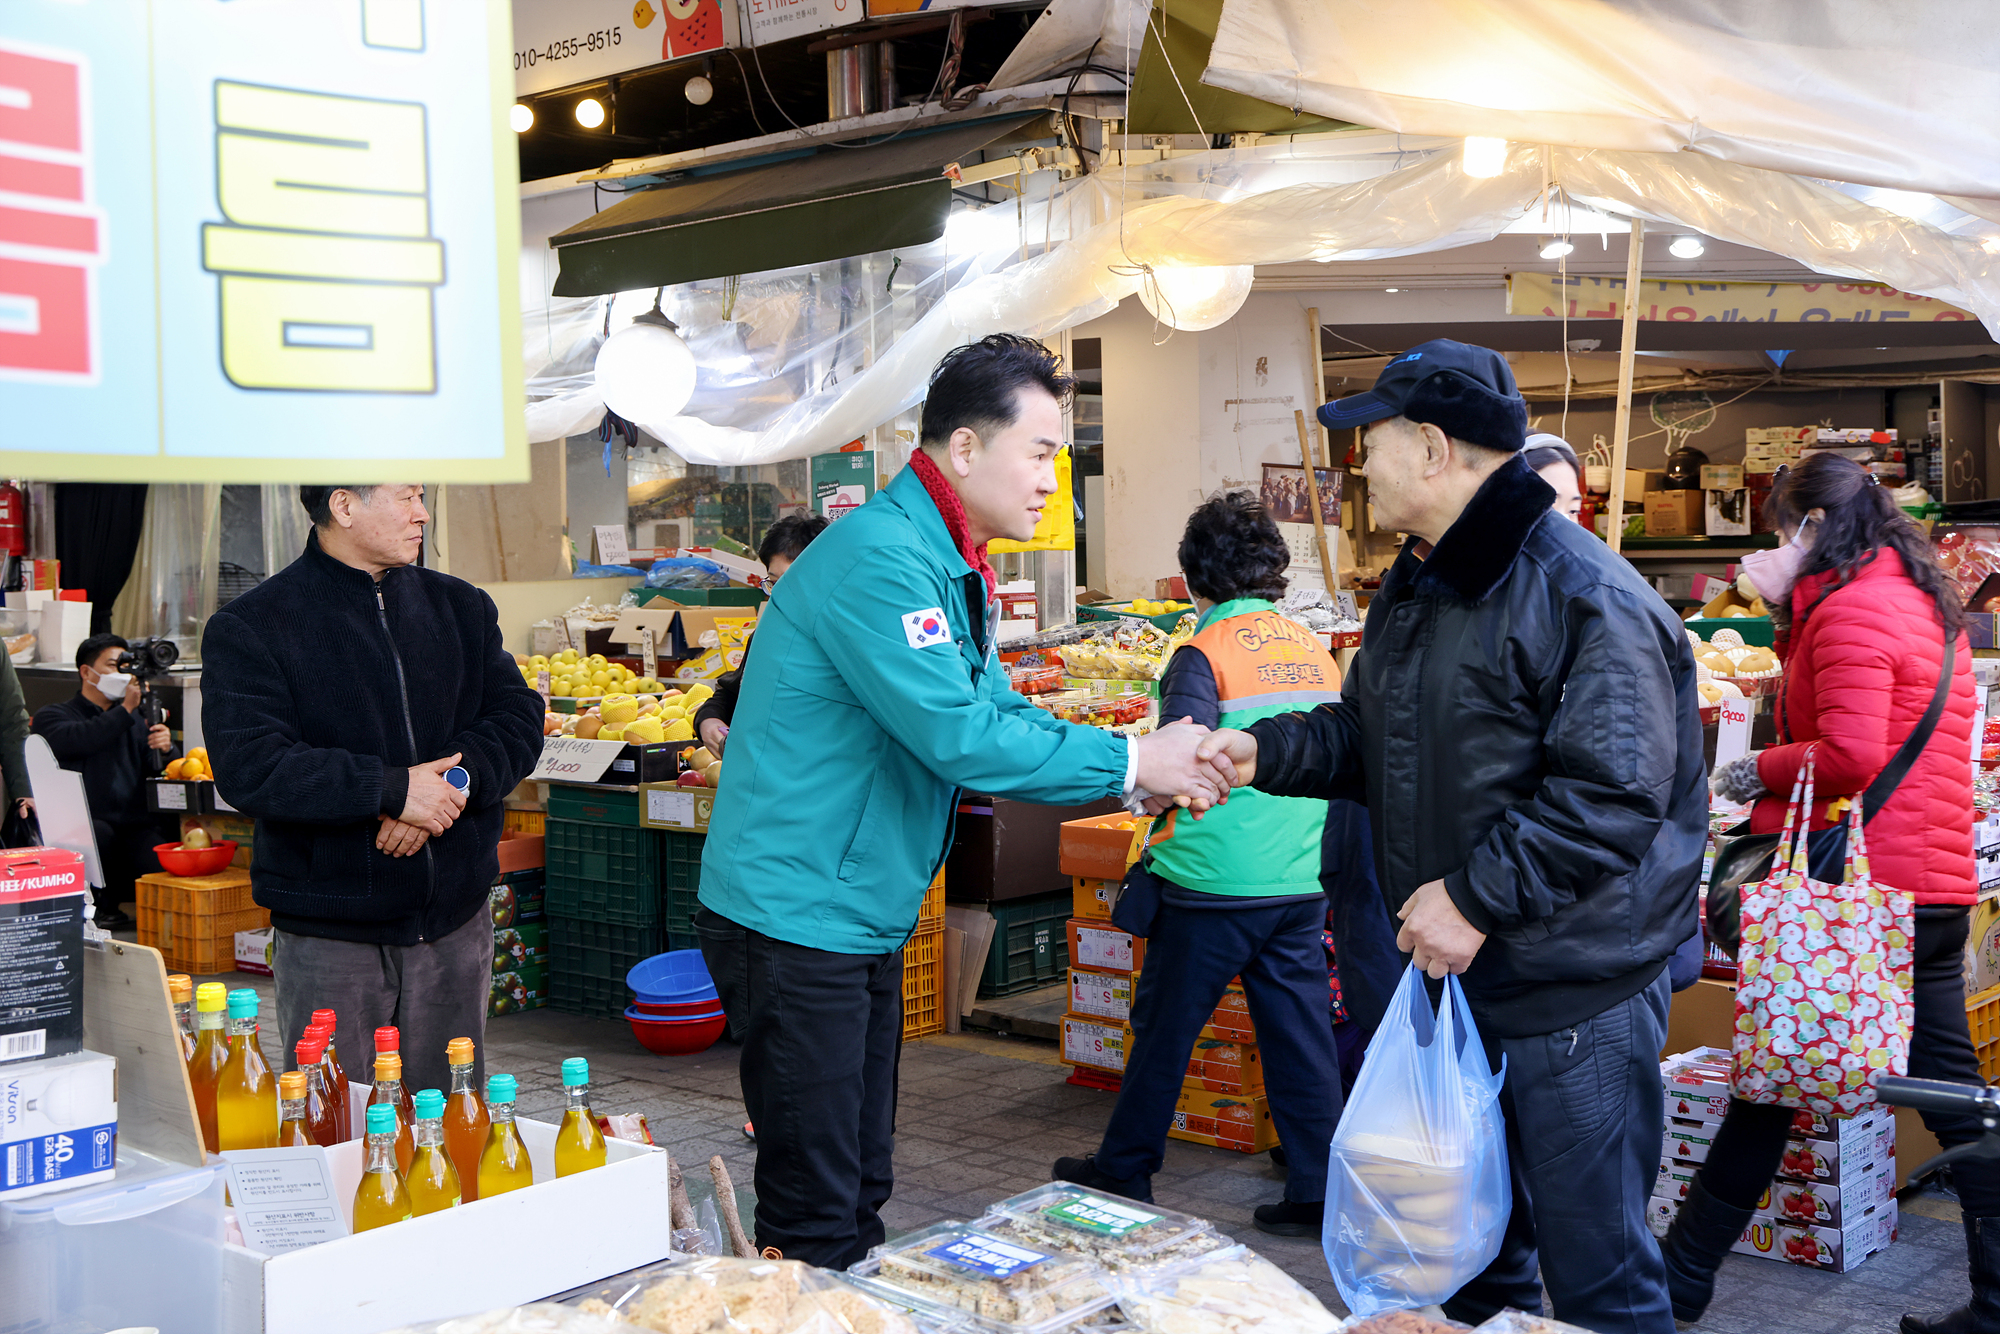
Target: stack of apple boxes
{"x":1222,"y":1098}
{"x":1834,"y":1202}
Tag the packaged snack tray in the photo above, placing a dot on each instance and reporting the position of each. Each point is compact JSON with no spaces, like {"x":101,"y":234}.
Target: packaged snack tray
{"x":534,"y":1318}
{"x":725,"y":1295}
{"x":1005,"y":1286}
{"x":1232,"y":1291}
{"x":1117,"y":1233}
{"x":1517,"y":1322}
{"x":1400,"y":1322}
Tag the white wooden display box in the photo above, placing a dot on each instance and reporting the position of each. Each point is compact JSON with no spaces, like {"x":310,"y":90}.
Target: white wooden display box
{"x":519,"y":1247}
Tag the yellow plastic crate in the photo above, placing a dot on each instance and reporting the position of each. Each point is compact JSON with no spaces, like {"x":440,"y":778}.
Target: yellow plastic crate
{"x":923,"y":985}
{"x":1982,"y":1016}
{"x":930,"y":917}
{"x":193,"y":920}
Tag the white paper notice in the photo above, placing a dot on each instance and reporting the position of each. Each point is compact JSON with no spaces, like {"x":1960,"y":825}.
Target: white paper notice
{"x":1732,"y":732}
{"x":611,"y":548}
{"x":569,"y":759}
{"x":284,"y":1198}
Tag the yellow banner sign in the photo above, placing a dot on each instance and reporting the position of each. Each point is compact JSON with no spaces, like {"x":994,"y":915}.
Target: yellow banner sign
{"x":1056,"y":530}
{"x":1596,"y":298}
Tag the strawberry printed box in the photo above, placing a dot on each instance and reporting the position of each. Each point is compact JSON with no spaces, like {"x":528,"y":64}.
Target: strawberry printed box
{"x":1837,"y":1250}
{"x":1852,"y":1146}
{"x":1697,"y":1084}
{"x":1822,"y":1205}
{"x":1688,"y":1141}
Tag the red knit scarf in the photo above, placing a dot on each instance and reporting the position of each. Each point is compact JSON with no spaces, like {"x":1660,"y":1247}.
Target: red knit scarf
{"x":952,"y":510}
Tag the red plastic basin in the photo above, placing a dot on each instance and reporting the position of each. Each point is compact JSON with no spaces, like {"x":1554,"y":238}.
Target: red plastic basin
{"x":177,"y":860}
{"x":677,"y":1009}
{"x":676,"y":1037}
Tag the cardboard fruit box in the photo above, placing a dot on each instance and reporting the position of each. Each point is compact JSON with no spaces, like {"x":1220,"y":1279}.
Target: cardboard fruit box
{"x":1097,"y":1043}
{"x":1100,"y":847}
{"x":1224,"y":1120}
{"x":1100,"y":995}
{"x":1836,"y":1250}
{"x":1103,"y":948}
{"x":1091,"y":899}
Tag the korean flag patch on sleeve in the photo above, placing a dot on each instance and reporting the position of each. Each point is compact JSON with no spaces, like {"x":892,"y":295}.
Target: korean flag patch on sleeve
{"x":925,"y":628}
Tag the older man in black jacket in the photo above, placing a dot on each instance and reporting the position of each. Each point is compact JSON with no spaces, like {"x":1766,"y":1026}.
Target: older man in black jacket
{"x":364,"y":711}
{"x":1522,"y":723}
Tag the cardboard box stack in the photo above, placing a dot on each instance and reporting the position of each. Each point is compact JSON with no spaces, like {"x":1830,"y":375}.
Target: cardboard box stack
{"x":1222,"y":1093}
{"x":520,"y":928}
{"x":1880,"y":452}
{"x":1765,"y":450}
{"x":1834,"y":1201}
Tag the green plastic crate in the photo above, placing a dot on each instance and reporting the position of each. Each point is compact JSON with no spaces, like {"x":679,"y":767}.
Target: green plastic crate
{"x":593,"y":805}
{"x":604,"y":872}
{"x":680,"y":876}
{"x":1030,"y":944}
{"x":702,"y":597}
{"x":588,"y":962}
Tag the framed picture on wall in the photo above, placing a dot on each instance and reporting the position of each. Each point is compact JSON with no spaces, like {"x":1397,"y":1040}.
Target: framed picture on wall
{"x":1287,"y":499}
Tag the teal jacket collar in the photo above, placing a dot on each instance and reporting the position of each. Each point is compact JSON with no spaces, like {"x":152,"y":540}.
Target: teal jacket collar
{"x":907,"y":493}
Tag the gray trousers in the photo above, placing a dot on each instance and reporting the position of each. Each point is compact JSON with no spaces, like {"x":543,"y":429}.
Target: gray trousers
{"x":433,"y":992}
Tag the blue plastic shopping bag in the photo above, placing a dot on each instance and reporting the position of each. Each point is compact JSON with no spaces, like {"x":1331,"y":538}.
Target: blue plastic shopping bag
{"x":1417,"y":1192}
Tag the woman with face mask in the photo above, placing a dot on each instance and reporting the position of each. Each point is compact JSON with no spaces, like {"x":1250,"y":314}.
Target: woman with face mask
{"x":1862,"y":611}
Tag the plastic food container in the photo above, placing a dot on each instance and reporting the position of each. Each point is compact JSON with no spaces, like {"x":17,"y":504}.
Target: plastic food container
{"x":1036,"y":680}
{"x":667,"y":979}
{"x":1004,"y":1286}
{"x":142,"y":1250}
{"x":676,"y":1037}
{"x":177,"y":860}
{"x":1117,"y":1233}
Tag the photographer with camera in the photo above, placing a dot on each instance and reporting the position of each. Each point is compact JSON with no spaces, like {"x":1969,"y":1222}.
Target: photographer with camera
{"x":104,"y":734}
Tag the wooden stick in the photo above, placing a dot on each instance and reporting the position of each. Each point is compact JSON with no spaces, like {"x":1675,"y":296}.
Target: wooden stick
{"x":1621,"y":436}
{"x":680,"y":1211}
{"x":1326,"y":570}
{"x":1318,"y":380}
{"x":725,"y":1200}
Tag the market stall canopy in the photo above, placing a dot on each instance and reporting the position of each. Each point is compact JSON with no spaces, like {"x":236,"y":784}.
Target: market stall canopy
{"x":1168,"y":96}
{"x":811,"y":206}
{"x":1899,"y":96}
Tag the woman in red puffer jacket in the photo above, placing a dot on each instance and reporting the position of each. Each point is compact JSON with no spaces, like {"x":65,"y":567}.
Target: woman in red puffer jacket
{"x":1862,"y":610}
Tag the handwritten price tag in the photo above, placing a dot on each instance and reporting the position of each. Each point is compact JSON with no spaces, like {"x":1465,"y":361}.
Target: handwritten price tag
{"x":568,"y":759}
{"x":1732,"y":733}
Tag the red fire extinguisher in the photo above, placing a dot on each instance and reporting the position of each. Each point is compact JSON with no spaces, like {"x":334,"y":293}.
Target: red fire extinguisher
{"x":13,"y":521}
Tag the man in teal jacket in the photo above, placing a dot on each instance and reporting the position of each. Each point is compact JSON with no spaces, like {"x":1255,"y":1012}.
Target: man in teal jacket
{"x":874,"y":695}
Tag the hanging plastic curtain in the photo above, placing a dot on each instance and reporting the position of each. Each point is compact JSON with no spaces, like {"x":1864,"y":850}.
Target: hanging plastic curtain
{"x":285,"y":527}
{"x":171,"y":591}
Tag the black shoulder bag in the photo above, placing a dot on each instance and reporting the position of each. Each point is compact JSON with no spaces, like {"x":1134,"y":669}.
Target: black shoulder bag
{"x":1742,"y":858}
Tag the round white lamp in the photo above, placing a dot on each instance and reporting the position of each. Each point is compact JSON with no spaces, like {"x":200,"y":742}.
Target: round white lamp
{"x":1193,"y":299}
{"x":698,"y":90}
{"x":645,"y":371}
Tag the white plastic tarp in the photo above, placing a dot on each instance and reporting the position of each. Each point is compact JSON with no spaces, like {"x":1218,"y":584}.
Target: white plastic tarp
{"x":1901,"y":95}
{"x":830,"y":363}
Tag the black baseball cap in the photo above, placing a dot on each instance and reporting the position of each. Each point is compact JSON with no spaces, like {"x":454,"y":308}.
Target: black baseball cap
{"x":1467,"y":392}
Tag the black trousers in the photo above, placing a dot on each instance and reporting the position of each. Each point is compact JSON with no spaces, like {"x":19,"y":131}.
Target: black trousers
{"x":1190,"y":957}
{"x":822,"y":1034}
{"x":1751,"y":1141}
{"x":1585,"y":1115}
{"x":126,"y":851}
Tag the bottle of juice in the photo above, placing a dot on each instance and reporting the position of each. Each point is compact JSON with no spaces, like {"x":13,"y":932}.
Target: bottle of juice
{"x":465,"y":1118}
{"x":579,"y":1144}
{"x":321,"y":1036}
{"x":503,"y":1163}
{"x":433,"y":1181}
{"x":180,"y":987}
{"x":336,"y":1076}
{"x":390,"y":1040}
{"x":311,"y":1054}
{"x":246,"y":1094}
{"x":382,"y":1198}
{"x":388,"y":1093}
{"x":211,"y":1051}
{"x":292,"y":1128}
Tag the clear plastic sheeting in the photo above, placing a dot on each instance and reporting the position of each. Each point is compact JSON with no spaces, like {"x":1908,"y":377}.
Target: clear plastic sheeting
{"x":801,"y":362}
{"x":1897,"y":95}
{"x":562,"y":338}
{"x":285,"y":526}
{"x":171,"y":590}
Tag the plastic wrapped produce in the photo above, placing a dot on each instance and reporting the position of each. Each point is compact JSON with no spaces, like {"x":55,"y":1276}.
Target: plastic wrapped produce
{"x":1417,"y":1189}
{"x":1117,"y":1233}
{"x":1005,"y":1286}
{"x":724,"y":1295}
{"x":1231,"y":1291}
{"x":535,"y":1318}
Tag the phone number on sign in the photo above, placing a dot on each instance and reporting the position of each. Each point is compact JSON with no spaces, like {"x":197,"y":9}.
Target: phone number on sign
{"x":565,"y":47}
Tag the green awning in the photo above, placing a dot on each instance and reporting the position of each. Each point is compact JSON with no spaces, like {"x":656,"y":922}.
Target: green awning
{"x":827,"y":203}
{"x":1162,"y":103}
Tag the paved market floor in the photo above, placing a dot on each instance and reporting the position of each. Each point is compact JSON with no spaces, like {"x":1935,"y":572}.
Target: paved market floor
{"x":982,"y":1116}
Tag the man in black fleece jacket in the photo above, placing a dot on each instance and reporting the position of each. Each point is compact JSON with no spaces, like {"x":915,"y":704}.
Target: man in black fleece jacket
{"x":365,"y":712}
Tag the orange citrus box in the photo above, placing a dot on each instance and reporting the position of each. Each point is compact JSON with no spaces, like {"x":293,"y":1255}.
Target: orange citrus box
{"x":1100,"y":847}
{"x":1222,"y":1066}
{"x":1103,"y":948}
{"x":1091,"y":899}
{"x":1224,"y":1120}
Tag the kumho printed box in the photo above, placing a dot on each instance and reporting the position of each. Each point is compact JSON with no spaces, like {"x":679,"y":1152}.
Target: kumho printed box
{"x":42,"y":898}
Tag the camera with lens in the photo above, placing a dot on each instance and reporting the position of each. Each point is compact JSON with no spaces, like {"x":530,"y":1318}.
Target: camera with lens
{"x":149,"y":659}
